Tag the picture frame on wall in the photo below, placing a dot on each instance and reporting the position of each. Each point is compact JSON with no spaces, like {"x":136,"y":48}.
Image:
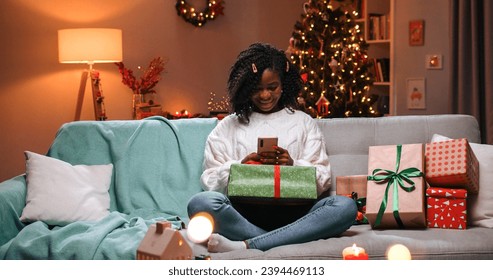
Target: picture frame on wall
{"x":416,"y":32}
{"x":416,"y":93}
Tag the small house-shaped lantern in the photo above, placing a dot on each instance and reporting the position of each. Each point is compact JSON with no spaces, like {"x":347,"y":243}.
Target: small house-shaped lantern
{"x":322,"y":105}
{"x":161,"y":242}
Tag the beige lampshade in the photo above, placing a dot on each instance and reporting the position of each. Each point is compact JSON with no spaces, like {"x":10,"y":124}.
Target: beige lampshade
{"x":89,"y":45}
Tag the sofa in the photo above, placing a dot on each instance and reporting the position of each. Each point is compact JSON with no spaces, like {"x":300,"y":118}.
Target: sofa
{"x":153,"y":167}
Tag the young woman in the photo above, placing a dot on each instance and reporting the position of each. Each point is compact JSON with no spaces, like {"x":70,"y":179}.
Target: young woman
{"x":263,"y":86}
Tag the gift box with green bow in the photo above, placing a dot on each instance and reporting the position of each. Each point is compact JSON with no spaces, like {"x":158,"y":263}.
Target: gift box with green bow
{"x":272,"y":182}
{"x":396,"y":186}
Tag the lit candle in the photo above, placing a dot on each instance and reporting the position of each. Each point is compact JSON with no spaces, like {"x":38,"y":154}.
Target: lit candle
{"x":354,"y":253}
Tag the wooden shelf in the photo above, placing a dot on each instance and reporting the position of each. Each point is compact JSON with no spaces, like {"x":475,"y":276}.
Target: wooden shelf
{"x":381,"y":48}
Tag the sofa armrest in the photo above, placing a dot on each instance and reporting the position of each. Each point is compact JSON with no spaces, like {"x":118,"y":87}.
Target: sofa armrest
{"x":12,"y":202}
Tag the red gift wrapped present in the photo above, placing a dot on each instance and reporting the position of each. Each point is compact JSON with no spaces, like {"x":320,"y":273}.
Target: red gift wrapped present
{"x":452,"y":164}
{"x":446,"y":208}
{"x":396,"y":187}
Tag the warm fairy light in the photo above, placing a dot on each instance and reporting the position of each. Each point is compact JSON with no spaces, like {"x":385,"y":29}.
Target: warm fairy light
{"x":398,"y":252}
{"x":200,"y":227}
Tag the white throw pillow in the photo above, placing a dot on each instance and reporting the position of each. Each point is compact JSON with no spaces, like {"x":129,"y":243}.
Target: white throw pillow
{"x":439,"y":138}
{"x":59,"y":193}
{"x":480,"y":206}
{"x":481,"y":210}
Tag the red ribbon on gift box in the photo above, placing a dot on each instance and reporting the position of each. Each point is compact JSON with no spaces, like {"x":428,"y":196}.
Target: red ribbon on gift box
{"x":277,"y":181}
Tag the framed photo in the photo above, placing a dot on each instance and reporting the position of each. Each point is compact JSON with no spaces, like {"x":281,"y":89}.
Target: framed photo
{"x":416,"y":33}
{"x":416,"y":93}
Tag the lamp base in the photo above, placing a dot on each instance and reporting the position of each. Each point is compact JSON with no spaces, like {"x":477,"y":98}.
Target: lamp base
{"x":97,"y":95}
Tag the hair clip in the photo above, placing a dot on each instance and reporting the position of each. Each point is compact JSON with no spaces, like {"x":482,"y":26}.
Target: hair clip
{"x":287,"y":66}
{"x":254,"y":68}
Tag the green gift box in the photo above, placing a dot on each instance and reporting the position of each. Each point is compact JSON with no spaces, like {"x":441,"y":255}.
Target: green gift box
{"x":272,"y":181}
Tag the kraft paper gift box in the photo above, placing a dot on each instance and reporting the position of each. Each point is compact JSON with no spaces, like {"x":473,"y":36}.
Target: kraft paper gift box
{"x":446,"y":208}
{"x":272,"y":181}
{"x":396,"y":186}
{"x":452,"y":164}
{"x":354,"y":186}
{"x":349,"y":184}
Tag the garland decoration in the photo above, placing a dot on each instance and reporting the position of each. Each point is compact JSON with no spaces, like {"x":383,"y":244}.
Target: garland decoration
{"x":213,"y":9}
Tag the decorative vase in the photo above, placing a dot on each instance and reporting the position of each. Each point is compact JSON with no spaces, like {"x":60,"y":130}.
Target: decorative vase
{"x":150,"y":98}
{"x":137,"y":100}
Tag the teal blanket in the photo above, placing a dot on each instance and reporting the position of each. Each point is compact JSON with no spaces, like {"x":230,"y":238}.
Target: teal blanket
{"x":157,"y":167}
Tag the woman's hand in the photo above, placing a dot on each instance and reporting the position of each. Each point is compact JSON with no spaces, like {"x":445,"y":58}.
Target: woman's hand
{"x":280,"y":156}
{"x":252,"y":158}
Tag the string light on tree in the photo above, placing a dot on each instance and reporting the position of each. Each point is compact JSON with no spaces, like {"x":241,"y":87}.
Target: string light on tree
{"x":328,"y":46}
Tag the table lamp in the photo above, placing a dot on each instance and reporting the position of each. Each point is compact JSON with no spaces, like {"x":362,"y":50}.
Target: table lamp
{"x":90,"y":46}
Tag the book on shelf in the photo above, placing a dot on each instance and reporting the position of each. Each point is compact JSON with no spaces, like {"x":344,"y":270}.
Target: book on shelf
{"x":379,"y":26}
{"x":380,"y":69}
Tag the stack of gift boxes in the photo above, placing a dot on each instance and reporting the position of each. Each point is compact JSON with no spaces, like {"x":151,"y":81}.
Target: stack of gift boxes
{"x":415,"y":185}
{"x":452,"y":170}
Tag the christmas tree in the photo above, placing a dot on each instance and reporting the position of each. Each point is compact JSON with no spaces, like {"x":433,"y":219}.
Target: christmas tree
{"x":329,"y":47}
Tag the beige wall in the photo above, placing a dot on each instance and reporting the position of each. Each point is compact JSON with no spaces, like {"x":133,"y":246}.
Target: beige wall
{"x":410,"y":60}
{"x":38,"y":95}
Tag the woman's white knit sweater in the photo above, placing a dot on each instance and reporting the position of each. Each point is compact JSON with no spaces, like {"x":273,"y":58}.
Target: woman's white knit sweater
{"x":231,"y":141}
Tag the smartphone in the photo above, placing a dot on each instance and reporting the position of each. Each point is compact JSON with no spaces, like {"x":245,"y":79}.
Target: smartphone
{"x":266,"y":144}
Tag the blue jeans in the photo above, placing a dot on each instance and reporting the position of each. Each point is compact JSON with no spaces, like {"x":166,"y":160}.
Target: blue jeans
{"x":329,"y":217}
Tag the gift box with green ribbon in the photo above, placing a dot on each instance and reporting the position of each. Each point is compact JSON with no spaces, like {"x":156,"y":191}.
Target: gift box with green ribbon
{"x":396,"y":186}
{"x":272,"y":182}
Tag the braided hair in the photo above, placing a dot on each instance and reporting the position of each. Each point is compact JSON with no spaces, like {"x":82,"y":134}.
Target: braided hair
{"x":246,"y":73}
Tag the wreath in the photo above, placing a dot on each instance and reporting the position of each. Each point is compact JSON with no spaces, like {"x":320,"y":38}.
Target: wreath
{"x":213,"y":9}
